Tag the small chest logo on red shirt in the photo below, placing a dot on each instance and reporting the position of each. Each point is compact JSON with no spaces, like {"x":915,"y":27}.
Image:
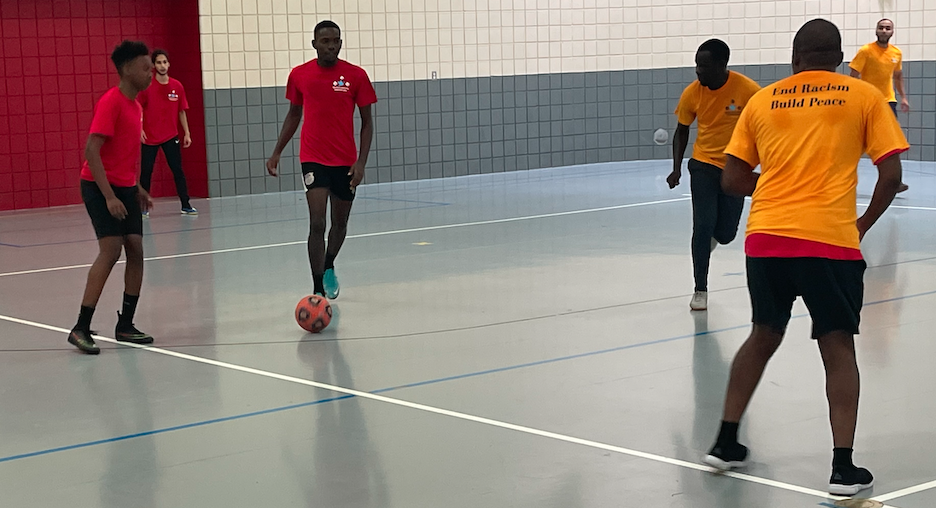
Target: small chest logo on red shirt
{"x":173,"y":96}
{"x":341,"y":85}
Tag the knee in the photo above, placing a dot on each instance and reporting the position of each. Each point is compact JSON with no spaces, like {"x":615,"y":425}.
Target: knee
{"x":317,"y":226}
{"x":339,"y":226}
{"x":725,"y":237}
{"x":110,"y":254}
{"x":765,"y":340}
{"x":134,"y":250}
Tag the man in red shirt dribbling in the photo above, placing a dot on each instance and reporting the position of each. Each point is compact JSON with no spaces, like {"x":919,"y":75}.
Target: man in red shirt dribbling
{"x":326,"y":90}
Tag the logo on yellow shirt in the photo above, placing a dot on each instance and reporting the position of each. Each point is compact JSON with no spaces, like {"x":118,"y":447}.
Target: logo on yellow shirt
{"x":733,"y":109}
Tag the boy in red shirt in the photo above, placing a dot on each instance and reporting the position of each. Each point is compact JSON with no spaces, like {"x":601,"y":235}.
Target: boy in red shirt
{"x":113,"y":197}
{"x":327,"y":90}
{"x":164,"y":104}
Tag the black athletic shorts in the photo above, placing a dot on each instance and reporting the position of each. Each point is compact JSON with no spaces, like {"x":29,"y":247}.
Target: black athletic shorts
{"x":334,"y":178}
{"x":833,"y":291}
{"x":106,"y":224}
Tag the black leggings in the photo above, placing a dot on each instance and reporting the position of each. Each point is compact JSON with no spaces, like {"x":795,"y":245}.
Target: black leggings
{"x":173,"y":152}
{"x":714,"y":215}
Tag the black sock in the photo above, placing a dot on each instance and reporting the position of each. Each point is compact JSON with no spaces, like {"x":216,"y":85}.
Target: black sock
{"x":842,"y":457}
{"x":318,"y":285}
{"x":728,"y":435}
{"x":330,"y":260}
{"x":129,"y":309}
{"x":84,"y":319}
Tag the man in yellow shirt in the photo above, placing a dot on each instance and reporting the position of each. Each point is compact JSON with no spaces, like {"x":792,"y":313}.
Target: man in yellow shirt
{"x":807,"y":133}
{"x":881,"y":64}
{"x":716,"y":100}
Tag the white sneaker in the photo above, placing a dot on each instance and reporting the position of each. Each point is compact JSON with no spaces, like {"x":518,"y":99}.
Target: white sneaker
{"x":699,"y":301}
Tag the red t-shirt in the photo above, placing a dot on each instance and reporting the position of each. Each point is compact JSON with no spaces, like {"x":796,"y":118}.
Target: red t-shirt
{"x":328,"y":96}
{"x":161,"y":106}
{"x":120,"y":120}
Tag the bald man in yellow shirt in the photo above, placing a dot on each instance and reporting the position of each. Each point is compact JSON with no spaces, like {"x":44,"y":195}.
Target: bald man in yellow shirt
{"x":880,"y":63}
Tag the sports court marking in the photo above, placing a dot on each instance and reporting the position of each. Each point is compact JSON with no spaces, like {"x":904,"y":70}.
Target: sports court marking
{"x":865,"y":205}
{"x":348,"y":392}
{"x":367,"y":235}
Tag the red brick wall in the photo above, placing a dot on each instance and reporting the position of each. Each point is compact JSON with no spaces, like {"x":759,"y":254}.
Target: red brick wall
{"x":55,"y":64}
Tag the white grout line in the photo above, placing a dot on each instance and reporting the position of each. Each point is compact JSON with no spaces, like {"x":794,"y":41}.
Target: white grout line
{"x":909,"y":491}
{"x":364,"y":235}
{"x":449,"y":413}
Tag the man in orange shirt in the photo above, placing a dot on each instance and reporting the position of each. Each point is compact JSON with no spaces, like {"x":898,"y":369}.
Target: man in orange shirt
{"x":808,"y":132}
{"x":881,"y":64}
{"x":716,"y":99}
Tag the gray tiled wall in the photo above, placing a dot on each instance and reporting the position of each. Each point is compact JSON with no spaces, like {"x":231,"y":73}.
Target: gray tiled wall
{"x":454,"y":127}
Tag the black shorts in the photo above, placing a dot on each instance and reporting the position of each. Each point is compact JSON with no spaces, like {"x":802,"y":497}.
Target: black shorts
{"x":833,"y":291}
{"x":106,"y":224}
{"x":334,"y":178}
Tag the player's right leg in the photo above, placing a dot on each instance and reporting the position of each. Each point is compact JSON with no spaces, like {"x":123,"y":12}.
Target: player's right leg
{"x":148,"y":155}
{"x":772,"y":296}
{"x":317,"y":186}
{"x":705,"y":186}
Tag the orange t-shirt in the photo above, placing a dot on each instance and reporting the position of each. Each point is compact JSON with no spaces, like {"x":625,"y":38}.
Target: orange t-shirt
{"x":808,"y":132}
{"x":877,"y":66}
{"x":717,"y":111}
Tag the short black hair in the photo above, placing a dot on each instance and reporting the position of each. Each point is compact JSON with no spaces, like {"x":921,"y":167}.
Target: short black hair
{"x":818,"y":43}
{"x":884,"y":19}
{"x":717,"y":48}
{"x":126,"y":52}
{"x":326,"y":24}
{"x":158,"y":52}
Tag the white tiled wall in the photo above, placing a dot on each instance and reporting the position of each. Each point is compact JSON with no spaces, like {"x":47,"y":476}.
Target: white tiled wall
{"x":249,"y":43}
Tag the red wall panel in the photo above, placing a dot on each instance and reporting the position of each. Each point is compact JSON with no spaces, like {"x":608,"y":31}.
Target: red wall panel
{"x":55,"y":63}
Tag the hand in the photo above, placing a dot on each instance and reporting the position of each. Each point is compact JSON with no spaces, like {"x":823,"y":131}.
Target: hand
{"x":862,"y":228}
{"x":143,"y":197}
{"x":142,"y":137}
{"x":357,"y":174}
{"x":116,"y":208}
{"x":187,"y":141}
{"x":673,"y":178}
{"x":272,"y":163}
{"x":905,"y":105}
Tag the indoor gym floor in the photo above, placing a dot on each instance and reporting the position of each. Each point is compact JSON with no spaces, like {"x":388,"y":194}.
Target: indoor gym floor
{"x":509,"y":340}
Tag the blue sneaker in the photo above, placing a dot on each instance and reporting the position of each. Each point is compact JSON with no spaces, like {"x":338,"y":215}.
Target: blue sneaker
{"x":146,"y":214}
{"x":189,"y":211}
{"x":331,"y":284}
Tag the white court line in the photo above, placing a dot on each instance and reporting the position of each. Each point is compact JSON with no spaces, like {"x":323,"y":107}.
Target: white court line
{"x":904,"y":207}
{"x":446,"y":412}
{"x":865,"y":205}
{"x":365,"y":235}
{"x":909,"y":491}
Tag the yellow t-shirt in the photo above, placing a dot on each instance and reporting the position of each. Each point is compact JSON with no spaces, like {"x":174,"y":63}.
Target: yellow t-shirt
{"x":717,"y":111}
{"x":808,"y":132}
{"x":877,"y":66}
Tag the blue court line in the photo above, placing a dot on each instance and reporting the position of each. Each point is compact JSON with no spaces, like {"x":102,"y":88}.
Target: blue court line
{"x":224,"y":226}
{"x":169,"y":429}
{"x":413,"y":385}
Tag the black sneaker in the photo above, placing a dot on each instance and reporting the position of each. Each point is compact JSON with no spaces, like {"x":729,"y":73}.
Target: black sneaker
{"x":728,"y":457}
{"x":83,"y":341}
{"x":129,"y":333}
{"x":850,"y":480}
